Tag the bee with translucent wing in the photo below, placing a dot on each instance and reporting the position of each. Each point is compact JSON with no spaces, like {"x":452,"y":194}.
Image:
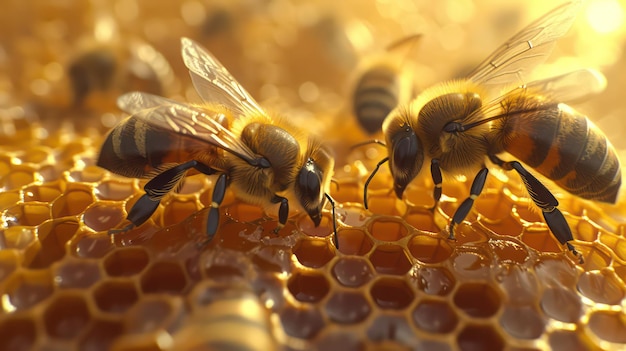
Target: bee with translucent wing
{"x":454,"y":127}
{"x":265,"y":160}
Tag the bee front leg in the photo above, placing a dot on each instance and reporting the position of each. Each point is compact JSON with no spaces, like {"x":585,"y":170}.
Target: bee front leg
{"x":283,"y":212}
{"x":466,"y":206}
{"x":435,"y":172}
{"x":544,"y":199}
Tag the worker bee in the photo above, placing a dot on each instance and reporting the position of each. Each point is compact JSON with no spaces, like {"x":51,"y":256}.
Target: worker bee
{"x":454,"y":127}
{"x":264,"y":159}
{"x":383,"y":82}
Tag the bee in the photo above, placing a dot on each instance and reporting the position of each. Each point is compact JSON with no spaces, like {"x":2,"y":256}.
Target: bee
{"x":383,"y":83}
{"x":219,"y":323}
{"x":455,"y":127}
{"x":264,"y":159}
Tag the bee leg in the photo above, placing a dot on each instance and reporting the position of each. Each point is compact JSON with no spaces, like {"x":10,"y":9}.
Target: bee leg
{"x":544,"y":199}
{"x":213,"y":219}
{"x":435,"y":172}
{"x":466,"y":205}
{"x":139,"y":213}
{"x":283,"y":212}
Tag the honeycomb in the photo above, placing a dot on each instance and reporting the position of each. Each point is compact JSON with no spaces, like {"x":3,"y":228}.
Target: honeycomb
{"x":395,"y":282}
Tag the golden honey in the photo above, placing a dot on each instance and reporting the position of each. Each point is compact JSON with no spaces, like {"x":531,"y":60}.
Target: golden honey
{"x":395,"y":282}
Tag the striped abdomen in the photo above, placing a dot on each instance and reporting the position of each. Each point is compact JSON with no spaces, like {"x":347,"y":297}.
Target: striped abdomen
{"x":134,"y":149}
{"x":375,"y":95}
{"x":564,"y":146}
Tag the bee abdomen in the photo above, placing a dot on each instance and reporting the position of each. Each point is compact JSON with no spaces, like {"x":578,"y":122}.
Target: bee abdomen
{"x":564,"y":146}
{"x":375,"y":95}
{"x":133,"y":148}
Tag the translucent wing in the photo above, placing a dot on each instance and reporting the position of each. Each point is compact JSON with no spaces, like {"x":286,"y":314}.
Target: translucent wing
{"x":511,"y":62}
{"x":186,"y":120}
{"x":568,"y":87}
{"x":213,"y":81}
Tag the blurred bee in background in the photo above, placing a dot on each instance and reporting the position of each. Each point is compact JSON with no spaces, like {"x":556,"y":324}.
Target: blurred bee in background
{"x":383,"y":82}
{"x":229,"y":318}
{"x":264,"y":159}
{"x":129,"y":66}
{"x":453,"y":126}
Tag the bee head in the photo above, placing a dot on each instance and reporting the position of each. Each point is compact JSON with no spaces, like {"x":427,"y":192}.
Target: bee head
{"x":406,"y":156}
{"x":312,"y":180}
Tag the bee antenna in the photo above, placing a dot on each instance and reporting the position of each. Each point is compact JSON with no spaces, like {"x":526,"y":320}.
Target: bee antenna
{"x":369,"y":179}
{"x":368,"y":142}
{"x":334,"y":181}
{"x":332,"y":204}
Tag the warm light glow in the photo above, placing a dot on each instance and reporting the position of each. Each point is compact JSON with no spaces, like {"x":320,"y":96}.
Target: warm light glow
{"x":605,"y":16}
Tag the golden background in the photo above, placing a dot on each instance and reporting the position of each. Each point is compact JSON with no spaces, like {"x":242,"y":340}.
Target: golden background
{"x":396,"y":282}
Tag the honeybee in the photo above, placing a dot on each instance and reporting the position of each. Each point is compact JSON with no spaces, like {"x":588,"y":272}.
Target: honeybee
{"x":264,"y":159}
{"x":383,"y":82}
{"x":229,"y":314}
{"x":454,"y":127}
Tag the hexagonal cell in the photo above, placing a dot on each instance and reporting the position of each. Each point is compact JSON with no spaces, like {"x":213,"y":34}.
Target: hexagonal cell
{"x":390,"y":259}
{"x":478,"y":300}
{"x":9,"y":260}
{"x":352,"y":271}
{"x":100,"y":335}
{"x":347,"y":307}
{"x":313,"y":253}
{"x":508,"y":251}
{"x":17,"y":237}
{"x":274,"y":258}
{"x":66,"y":316}
{"x":434,"y":316}
{"x":9,"y":199}
{"x":541,"y":239}
{"x":474,"y":264}
{"x":586,"y":231}
{"x":177,"y":210}
{"x":89,"y":174}
{"x":19,"y":176}
{"x":392,"y":328}
{"x":325,"y":228}
{"x":561,"y":340}
{"x":520,"y":285}
{"x":72,"y":203}
{"x":308,"y":287}
{"x":91,"y":246}
{"x":479,"y":337}
{"x":53,"y":236}
{"x":610,"y":326}
{"x":164,"y":277}
{"x":301,"y":322}
{"x":115,"y":296}
{"x":387,"y":230}
{"x":352,"y":216}
{"x":354,"y":242}
{"x":423,"y":221}
{"x":392,"y":293}
{"x":522,"y":322}
{"x":494,"y":205}
{"x":561,"y":272}
{"x":429,"y":249}
{"x":17,"y":333}
{"x":127,"y":261}
{"x":152,"y":313}
{"x":29,"y":213}
{"x":26,"y":288}
{"x":386,"y":205}
{"x":601,"y":287}
{"x":37,"y":155}
{"x":434,"y":280}
{"x":100,"y":217}
{"x":115,"y":190}
{"x":561,"y":304}
{"x":76,"y":273}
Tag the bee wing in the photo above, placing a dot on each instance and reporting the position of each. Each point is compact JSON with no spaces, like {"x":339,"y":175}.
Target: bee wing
{"x":526,"y":49}
{"x":186,"y":120}
{"x":568,"y":87}
{"x":214,"y":83}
